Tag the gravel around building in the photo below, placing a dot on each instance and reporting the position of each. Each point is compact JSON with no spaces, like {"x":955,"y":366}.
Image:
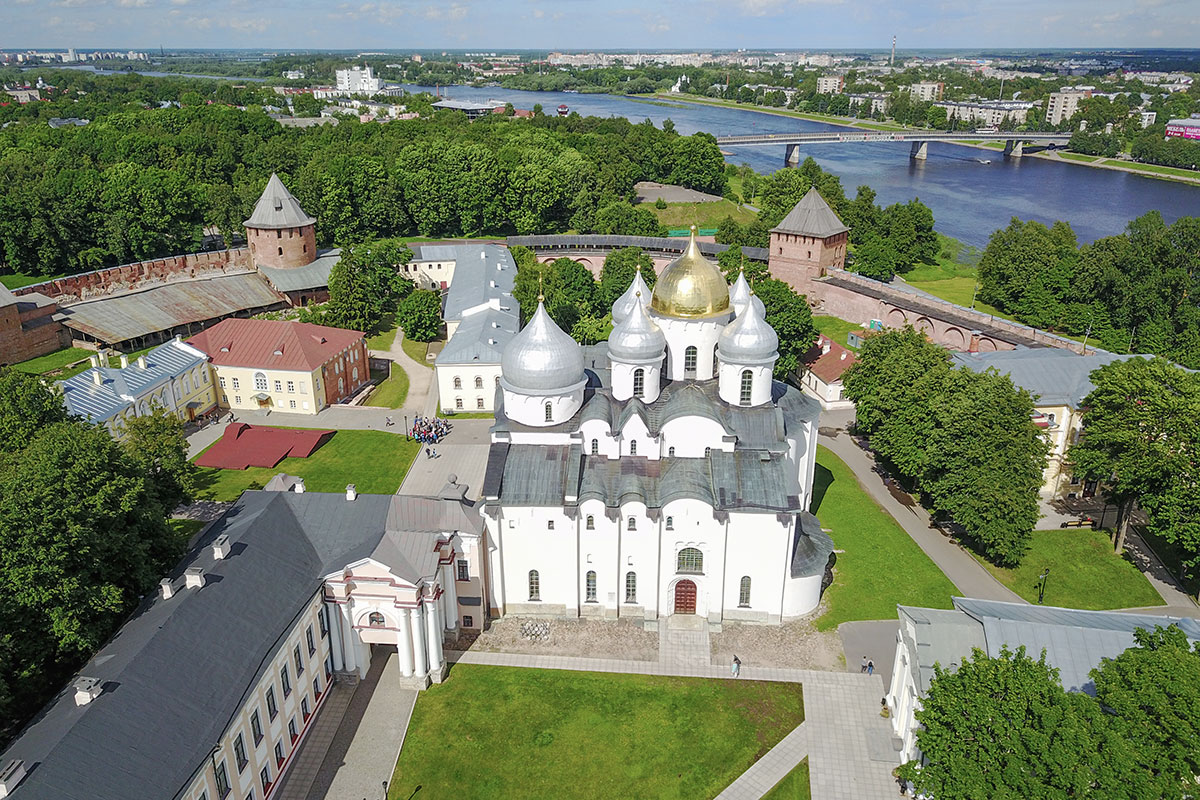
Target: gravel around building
{"x":583,"y":638}
{"x":793,"y":645}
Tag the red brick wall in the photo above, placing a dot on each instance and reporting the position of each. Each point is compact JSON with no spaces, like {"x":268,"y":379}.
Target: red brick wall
{"x":37,"y":335}
{"x":330,"y":373}
{"x":286,"y":247}
{"x":799,"y":260}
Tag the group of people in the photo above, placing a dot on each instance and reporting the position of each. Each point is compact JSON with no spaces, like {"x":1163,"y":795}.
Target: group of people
{"x":429,"y":430}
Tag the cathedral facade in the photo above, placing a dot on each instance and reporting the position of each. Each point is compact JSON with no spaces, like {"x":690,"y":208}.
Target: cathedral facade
{"x":661,"y":472}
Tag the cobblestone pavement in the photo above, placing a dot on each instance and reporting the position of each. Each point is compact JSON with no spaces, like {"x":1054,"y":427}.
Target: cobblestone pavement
{"x":467,"y":462}
{"x":584,"y":638}
{"x":683,"y":641}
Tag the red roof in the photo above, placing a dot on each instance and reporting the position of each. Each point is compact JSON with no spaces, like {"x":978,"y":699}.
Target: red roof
{"x":244,"y":446}
{"x":273,"y":344}
{"x":828,"y":366}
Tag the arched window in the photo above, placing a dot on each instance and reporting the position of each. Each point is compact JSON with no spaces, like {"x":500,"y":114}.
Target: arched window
{"x":376,"y":620}
{"x":639,"y":382}
{"x":716,"y":365}
{"x":260,"y":382}
{"x":497,"y":381}
{"x":187,"y":384}
{"x":535,"y":587}
{"x":478,"y":382}
{"x":747,"y":384}
{"x":595,"y":447}
{"x":549,"y":524}
{"x":690,"y":560}
{"x":670,"y":452}
{"x":355,"y":374}
{"x":707,"y":450}
{"x":744,"y":592}
{"x":591,"y":522}
{"x":631,"y":524}
{"x":280,"y":251}
{"x":633,"y":447}
{"x":689,"y":362}
{"x":457,"y":382}
{"x":670,"y":523}
{"x":590,"y":587}
{"x":630,"y":587}
{"x":549,"y":413}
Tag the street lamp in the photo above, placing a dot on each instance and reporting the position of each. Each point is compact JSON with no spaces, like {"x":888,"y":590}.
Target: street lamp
{"x":406,"y":430}
{"x":1042,"y":585}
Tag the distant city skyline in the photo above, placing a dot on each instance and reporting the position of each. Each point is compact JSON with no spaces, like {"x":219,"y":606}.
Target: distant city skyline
{"x":584,"y":24}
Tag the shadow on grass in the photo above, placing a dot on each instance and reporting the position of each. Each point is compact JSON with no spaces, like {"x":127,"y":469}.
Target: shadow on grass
{"x":822,"y":480}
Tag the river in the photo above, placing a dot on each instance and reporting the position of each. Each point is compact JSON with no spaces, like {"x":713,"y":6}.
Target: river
{"x":969,"y":199}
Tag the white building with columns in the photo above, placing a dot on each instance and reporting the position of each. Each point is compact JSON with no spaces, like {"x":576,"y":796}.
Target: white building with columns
{"x":661,"y":472}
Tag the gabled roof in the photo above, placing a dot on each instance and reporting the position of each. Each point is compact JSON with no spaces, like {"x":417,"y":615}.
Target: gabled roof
{"x":272,"y":343}
{"x":829,"y":367}
{"x":812,"y":216}
{"x":1055,"y":377}
{"x":120,"y":386}
{"x":276,"y":208}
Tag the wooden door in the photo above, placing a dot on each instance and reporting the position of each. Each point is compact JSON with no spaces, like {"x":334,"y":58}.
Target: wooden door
{"x":685,"y":597}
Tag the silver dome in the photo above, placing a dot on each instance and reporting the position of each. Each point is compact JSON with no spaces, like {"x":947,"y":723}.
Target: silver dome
{"x":740,"y":296}
{"x":541,"y":357}
{"x":749,"y":339}
{"x":637,"y":337}
{"x":624,"y":304}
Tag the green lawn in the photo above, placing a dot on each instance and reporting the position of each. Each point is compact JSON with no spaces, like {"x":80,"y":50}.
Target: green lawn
{"x":16,"y":280}
{"x":881,"y":565}
{"x":793,"y":787}
{"x":393,"y":391}
{"x":1084,"y":572}
{"x":384,"y":339}
{"x":1078,"y":157}
{"x":1158,"y":169}
{"x":836,"y":328}
{"x":416,"y":351}
{"x":466,"y":415}
{"x":702,"y":215}
{"x":374,"y":461}
{"x":54,"y":365}
{"x":501,"y":732}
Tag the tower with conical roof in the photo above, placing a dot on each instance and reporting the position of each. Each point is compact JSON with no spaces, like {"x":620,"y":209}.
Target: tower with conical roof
{"x":279,"y":232}
{"x":808,"y":243}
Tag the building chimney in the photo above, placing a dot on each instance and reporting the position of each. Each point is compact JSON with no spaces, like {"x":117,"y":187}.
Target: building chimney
{"x":11,"y":776}
{"x":166,"y":589}
{"x":843,"y":357}
{"x":298,"y":487}
{"x":351,"y":492}
{"x":141,"y":362}
{"x":179,"y":338}
{"x":124,"y":361}
{"x":220,"y":547}
{"x":103,"y":354}
{"x":95,"y":360}
{"x":826,"y":346}
{"x":87,"y":690}
{"x":193,"y":578}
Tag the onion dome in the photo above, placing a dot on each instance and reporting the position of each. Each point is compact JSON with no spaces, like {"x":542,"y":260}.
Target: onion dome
{"x":691,"y":287}
{"x":748,"y":339}
{"x":624,"y":304}
{"x":740,"y":295}
{"x":637,"y":337}
{"x":541,"y":358}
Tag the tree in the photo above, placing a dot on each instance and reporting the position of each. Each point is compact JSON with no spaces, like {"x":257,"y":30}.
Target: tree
{"x":570,"y":292}
{"x":732,"y":262}
{"x":617,"y":274}
{"x":1152,"y":691}
{"x":698,"y":164}
{"x":26,"y":406}
{"x":621,"y":218}
{"x":1141,"y":425}
{"x":788,"y":313}
{"x":1004,"y":728}
{"x":420,"y":316}
{"x":156,"y":445}
{"x":365,"y":284}
{"x":590,"y":330}
{"x":876,"y":258}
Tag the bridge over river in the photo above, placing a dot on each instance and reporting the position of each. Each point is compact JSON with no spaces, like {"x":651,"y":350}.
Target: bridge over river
{"x":1014,"y":141}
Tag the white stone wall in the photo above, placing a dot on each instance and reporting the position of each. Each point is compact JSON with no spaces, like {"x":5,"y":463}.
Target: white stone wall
{"x":623,"y":374}
{"x":730,"y":385}
{"x":682,"y":333}
{"x":475,"y":390}
{"x":530,"y":409}
{"x":434,"y":274}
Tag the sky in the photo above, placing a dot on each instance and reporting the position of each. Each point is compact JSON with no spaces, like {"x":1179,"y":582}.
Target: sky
{"x":609,"y":24}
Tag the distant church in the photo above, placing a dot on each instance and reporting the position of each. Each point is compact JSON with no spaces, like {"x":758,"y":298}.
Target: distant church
{"x":662,"y":472}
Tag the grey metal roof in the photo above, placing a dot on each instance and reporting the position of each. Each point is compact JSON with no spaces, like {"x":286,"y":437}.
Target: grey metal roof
{"x":940,"y":636}
{"x":480,"y":338}
{"x":812,"y":216}
{"x":604,"y":242}
{"x":811,"y":547}
{"x":434,"y":252}
{"x":484,"y":274}
{"x":178,"y":670}
{"x":310,"y":276}
{"x":277,"y":208}
{"x":1056,"y":377}
{"x":542,"y":357}
{"x":121,"y":386}
{"x":120,"y":317}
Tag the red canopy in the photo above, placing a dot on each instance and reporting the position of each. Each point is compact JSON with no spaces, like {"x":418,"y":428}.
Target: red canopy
{"x":244,"y":445}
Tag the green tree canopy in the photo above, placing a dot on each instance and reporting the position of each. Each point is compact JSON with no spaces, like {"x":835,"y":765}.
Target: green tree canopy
{"x":617,"y":274}
{"x":788,"y":313}
{"x":732,"y":262}
{"x":365,"y":284}
{"x":26,"y":406}
{"x":156,"y":445}
{"x":619,"y":217}
{"x":420,"y":316}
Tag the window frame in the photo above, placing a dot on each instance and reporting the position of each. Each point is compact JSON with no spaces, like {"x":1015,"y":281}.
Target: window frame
{"x":745,"y":391}
{"x":462,"y":570}
{"x":221,"y":776}
{"x":272,"y":705}
{"x":535,"y":586}
{"x":239,"y":752}
{"x":631,"y":587}
{"x":688,"y":564}
{"x":744,"y":592}
{"x":590,"y":593}
{"x":256,"y":729}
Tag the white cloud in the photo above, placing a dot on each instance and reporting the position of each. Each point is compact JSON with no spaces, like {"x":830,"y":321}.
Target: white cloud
{"x":249,"y":25}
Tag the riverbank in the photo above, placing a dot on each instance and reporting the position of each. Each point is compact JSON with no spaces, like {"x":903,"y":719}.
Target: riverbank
{"x":1146,"y":170}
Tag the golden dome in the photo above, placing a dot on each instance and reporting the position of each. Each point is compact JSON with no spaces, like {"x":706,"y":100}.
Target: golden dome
{"x":691,"y":287}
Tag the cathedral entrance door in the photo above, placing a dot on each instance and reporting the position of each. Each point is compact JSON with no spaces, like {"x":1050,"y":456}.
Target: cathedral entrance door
{"x":685,"y":597}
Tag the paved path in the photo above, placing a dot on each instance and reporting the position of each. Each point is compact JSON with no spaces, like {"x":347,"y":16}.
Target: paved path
{"x":683,"y":641}
{"x":771,"y":768}
{"x":420,"y":377}
{"x":875,"y":639}
{"x":467,"y":462}
{"x":306,"y":764}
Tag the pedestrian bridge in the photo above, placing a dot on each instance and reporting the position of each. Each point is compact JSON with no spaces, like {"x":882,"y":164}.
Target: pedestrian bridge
{"x":1014,"y":141}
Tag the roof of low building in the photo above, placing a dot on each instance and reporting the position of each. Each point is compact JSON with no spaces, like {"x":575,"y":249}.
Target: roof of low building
{"x":830,"y":365}
{"x":122,"y":385}
{"x":480,"y":338}
{"x":309,"y":276}
{"x":277,"y":208}
{"x":273,"y":344}
{"x":1055,"y":377}
{"x":177,"y":672}
{"x":812,"y":216}
{"x":484,"y":274}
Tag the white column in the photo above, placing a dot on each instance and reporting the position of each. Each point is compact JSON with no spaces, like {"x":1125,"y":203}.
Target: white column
{"x":420,"y":665}
{"x":404,"y":645}
{"x":434,"y":624}
{"x":348,"y":645}
{"x":333,"y":617}
{"x":450,"y":596}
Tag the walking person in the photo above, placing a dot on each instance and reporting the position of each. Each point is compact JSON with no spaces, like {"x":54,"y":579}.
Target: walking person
{"x":387,"y":422}
{"x":736,"y":669}
{"x":427,"y":453}
{"x":863,"y":666}
{"x":870,"y":667}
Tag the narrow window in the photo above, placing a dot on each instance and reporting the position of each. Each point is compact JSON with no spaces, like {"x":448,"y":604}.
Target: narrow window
{"x":595,"y":447}
{"x":280,"y":251}
{"x":479,"y":402}
{"x":707,"y":450}
{"x":549,"y":524}
{"x":478,"y":382}
{"x":744,"y":592}
{"x":630,"y":587}
{"x":670,"y":523}
{"x":256,"y":727}
{"x":689,"y":362}
{"x":317,"y":688}
{"x":298,"y":660}
{"x":639,"y":382}
{"x":690,"y":560}
{"x":457,"y":382}
{"x":235,"y":384}
{"x":631,"y":524}
{"x":591,"y":522}
{"x":279,"y":234}
{"x":222,"y":780}
{"x":535,"y":589}
{"x":279,"y":386}
{"x":670,"y":452}
{"x":286,"y":680}
{"x":272,"y":707}
{"x":291,"y":387}
{"x":633,"y":447}
{"x":549,"y":413}
{"x":239,"y":752}
{"x":591,"y":586}
{"x":464,"y":571}
{"x":265,"y":776}
{"x":311,"y":640}
{"x":323,"y":621}
{"x":458,"y":404}
{"x":468,"y":621}
{"x":304,"y":709}
{"x":278,"y":753}
{"x":747,"y":384}
{"x":292,"y":730}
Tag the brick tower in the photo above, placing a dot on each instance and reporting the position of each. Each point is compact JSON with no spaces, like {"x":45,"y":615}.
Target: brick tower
{"x":808,"y":243}
{"x":279,"y":232}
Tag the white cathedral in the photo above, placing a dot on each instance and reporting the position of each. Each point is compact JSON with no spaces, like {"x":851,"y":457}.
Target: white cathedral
{"x":662,"y":472}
